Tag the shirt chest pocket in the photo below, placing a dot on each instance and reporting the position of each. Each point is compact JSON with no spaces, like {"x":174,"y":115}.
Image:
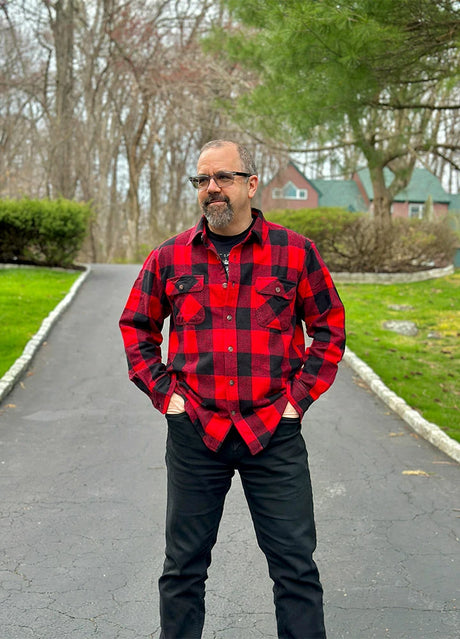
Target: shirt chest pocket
{"x":275,"y":302}
{"x":186,"y":295}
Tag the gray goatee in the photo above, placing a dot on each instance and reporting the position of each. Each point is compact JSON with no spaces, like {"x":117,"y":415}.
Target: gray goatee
{"x":218,"y":217}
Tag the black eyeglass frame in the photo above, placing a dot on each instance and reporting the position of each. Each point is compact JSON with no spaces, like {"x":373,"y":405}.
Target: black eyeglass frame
{"x":194,"y":180}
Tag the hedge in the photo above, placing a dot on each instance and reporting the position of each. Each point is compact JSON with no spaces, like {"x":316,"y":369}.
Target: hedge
{"x":44,"y":232}
{"x":356,"y":242}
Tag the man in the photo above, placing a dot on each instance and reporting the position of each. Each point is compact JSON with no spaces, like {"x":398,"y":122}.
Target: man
{"x":236,"y":385}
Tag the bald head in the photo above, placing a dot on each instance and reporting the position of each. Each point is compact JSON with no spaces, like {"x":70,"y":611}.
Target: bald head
{"x":247,"y":161}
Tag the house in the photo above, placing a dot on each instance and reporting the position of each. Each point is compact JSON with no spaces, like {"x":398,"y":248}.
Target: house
{"x":291,"y":189}
{"x":410,"y":202}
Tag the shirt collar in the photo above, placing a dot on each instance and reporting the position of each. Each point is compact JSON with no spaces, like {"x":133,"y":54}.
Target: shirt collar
{"x":259,"y":229}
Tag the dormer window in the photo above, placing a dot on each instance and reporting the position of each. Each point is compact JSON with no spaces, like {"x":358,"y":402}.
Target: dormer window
{"x":289,"y":192}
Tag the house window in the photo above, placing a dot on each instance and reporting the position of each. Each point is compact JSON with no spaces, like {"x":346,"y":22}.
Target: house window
{"x":416,"y":210}
{"x":289,"y":192}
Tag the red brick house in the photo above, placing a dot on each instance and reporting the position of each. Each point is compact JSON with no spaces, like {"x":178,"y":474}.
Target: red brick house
{"x":411,"y":201}
{"x":291,"y":189}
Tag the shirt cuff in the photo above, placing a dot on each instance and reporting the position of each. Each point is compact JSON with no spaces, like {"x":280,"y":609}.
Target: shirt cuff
{"x":299,"y":396}
{"x":161,"y":398}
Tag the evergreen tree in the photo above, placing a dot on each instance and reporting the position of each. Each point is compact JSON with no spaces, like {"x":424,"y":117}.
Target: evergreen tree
{"x":364,"y":72}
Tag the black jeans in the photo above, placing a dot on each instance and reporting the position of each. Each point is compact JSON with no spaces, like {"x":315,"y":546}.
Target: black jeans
{"x":277,"y":487}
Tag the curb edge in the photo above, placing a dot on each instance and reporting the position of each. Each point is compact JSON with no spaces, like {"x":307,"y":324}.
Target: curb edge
{"x":429,"y":431}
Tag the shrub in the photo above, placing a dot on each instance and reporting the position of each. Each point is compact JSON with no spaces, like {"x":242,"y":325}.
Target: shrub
{"x":400,"y":245}
{"x":46,"y":232}
{"x":358,"y":243}
{"x":16,"y":230}
{"x":453,"y":219}
{"x":321,"y":225}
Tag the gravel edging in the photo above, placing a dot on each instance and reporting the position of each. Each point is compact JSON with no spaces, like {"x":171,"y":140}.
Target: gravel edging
{"x":429,"y":431}
{"x":15,"y":372}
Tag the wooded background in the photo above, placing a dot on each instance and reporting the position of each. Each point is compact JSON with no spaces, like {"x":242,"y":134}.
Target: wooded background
{"x":109,"y":101}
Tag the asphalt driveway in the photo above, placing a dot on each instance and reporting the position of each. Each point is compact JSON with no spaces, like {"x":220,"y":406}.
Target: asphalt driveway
{"x":83,"y":498}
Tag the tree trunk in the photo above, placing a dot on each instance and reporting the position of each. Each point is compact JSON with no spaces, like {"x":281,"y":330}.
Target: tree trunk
{"x":61,"y":161}
{"x":132,"y":223}
{"x":382,"y":196}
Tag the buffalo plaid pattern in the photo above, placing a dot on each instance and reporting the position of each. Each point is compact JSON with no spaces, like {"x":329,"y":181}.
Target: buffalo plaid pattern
{"x":237,"y":351}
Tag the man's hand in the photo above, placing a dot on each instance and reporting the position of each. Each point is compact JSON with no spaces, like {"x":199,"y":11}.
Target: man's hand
{"x":290,"y":411}
{"x":176,"y":405}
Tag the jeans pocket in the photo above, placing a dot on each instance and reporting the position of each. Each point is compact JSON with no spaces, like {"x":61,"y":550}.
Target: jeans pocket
{"x":288,"y":427}
{"x":177,"y":417}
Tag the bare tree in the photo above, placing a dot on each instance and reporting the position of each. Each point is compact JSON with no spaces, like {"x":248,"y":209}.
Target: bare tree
{"x":110,"y":105}
{"x":20,"y":78}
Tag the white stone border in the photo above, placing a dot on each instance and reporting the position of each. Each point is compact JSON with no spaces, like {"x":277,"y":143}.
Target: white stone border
{"x":392,"y":278}
{"x":421,"y":426}
{"x":15,"y":372}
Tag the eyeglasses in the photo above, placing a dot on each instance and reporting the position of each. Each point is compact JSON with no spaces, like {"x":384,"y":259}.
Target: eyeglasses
{"x":221,"y":178}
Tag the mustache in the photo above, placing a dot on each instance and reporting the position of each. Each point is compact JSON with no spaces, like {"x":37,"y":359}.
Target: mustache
{"x":216,"y":198}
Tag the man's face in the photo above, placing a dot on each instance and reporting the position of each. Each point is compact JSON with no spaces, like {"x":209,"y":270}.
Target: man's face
{"x":226,"y":208}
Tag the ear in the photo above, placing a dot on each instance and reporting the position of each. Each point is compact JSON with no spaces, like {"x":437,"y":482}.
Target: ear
{"x":253,"y":182}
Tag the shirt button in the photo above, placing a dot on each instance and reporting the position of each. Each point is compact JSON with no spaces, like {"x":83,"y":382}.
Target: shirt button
{"x":277,"y":289}
{"x":229,"y":317}
{"x":224,"y":285}
{"x":233,"y":412}
{"x":181,"y":286}
{"x":232,"y":382}
{"x":230,"y":349}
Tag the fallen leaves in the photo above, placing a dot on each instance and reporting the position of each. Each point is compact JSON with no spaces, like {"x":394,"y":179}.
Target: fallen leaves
{"x":418,"y":473}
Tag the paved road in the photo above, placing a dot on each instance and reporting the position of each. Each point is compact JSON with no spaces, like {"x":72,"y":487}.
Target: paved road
{"x":83,"y":496}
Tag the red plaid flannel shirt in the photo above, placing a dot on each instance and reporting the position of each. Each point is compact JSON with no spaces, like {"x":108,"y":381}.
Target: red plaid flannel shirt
{"x":236,"y":345}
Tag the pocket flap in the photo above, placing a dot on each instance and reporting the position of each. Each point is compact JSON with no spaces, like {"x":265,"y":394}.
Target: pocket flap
{"x":184,"y":284}
{"x":273,"y":286}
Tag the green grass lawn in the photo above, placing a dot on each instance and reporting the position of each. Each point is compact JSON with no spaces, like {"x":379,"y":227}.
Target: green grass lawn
{"x":424,"y":370}
{"x":27,"y":296}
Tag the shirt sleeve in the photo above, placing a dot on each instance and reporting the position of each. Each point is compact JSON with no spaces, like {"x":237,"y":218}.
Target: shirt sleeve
{"x":141,"y":325}
{"x":322,"y":310}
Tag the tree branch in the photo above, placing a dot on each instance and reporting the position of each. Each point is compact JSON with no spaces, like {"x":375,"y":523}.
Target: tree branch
{"x":430,"y":107}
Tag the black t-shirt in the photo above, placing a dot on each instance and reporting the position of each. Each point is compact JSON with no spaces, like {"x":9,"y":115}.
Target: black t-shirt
{"x":225,"y":243}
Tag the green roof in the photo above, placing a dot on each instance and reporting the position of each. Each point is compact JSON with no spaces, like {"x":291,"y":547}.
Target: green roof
{"x":422,"y":184}
{"x":454,"y":202}
{"x":343,"y":193}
